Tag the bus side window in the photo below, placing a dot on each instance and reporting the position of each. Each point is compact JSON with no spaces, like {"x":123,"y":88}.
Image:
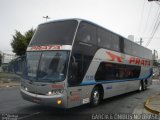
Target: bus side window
{"x":76,"y":76}
{"x":104,"y":39}
{"x":113,"y":71}
{"x":128,"y":47}
{"x":115,"y":42}
{"x":86,"y":33}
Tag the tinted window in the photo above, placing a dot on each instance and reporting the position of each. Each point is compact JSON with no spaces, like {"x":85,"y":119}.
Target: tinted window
{"x":135,"y":49}
{"x":128,"y":47}
{"x":86,"y":33}
{"x":115,"y":42}
{"x":121,"y":44}
{"x":83,"y":62}
{"x":52,"y":66}
{"x":112,"y":71}
{"x":108,"y":40}
{"x":141,"y":52}
{"x":85,"y":42}
{"x":46,"y":66}
{"x":145,"y":52}
{"x":104,"y":39}
{"x":32,"y":61}
{"x":60,"y":33}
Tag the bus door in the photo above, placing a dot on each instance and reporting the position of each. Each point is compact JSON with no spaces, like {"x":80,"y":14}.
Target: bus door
{"x":75,"y":77}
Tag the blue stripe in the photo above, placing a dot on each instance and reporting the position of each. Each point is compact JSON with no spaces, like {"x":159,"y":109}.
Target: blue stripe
{"x":93,"y":82}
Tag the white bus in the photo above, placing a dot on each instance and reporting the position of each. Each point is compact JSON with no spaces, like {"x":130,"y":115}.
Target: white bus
{"x":74,"y":62}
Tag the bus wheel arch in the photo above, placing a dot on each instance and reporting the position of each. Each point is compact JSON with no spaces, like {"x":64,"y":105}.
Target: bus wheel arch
{"x":96,"y":91}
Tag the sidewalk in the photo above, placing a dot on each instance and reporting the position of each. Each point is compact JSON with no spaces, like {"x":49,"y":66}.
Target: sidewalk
{"x":11,"y":84}
{"x":153,"y":104}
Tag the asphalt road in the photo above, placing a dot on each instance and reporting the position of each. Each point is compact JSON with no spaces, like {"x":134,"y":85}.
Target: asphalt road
{"x":11,"y":103}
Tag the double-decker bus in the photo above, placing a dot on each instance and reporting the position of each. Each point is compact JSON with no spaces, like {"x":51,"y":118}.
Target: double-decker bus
{"x":74,"y":62}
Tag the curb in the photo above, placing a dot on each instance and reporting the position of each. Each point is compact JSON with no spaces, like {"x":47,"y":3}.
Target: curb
{"x":8,"y":86}
{"x":148,"y":108}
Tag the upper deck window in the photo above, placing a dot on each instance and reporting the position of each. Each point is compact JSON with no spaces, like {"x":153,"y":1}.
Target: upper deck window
{"x":86,"y":33}
{"x":55,"y":33}
{"x":108,"y":40}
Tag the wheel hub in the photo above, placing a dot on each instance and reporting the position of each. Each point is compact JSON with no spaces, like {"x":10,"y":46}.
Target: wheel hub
{"x":96,"y":97}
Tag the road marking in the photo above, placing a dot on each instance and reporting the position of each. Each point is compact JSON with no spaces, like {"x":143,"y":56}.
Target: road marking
{"x":27,"y":116}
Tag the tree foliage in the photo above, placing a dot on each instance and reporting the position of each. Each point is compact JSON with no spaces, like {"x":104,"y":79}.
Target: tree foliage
{"x":0,"y":59}
{"x":155,"y":63}
{"x":20,"y":41}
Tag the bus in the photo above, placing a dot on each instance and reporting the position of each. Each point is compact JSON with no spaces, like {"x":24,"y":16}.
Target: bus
{"x":74,"y":62}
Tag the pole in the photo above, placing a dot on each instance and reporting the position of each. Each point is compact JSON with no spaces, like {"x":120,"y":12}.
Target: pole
{"x":141,"y":41}
{"x":46,"y":17}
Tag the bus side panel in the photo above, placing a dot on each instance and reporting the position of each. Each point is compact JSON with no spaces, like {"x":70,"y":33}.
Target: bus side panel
{"x":132,"y":85}
{"x":86,"y":93}
{"x":74,"y":96}
{"x":117,"y":88}
{"x":113,"y":89}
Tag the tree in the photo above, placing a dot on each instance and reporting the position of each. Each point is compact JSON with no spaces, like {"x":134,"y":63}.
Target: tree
{"x":0,"y":59}
{"x":20,"y":42}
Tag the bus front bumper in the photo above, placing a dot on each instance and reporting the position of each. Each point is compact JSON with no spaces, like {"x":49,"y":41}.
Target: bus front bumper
{"x":55,"y":100}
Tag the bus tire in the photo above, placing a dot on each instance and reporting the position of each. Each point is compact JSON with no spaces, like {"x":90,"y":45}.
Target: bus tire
{"x":140,"y":86}
{"x":95,"y":97}
{"x":144,"y":84}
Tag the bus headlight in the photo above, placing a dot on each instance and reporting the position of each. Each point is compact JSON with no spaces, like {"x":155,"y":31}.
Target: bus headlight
{"x":49,"y":93}
{"x":26,"y":89}
{"x":55,"y":92}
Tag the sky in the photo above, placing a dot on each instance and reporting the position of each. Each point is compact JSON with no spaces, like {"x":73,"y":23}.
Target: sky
{"x":125,"y":17}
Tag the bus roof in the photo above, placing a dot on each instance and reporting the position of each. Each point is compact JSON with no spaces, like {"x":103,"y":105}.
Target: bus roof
{"x":80,"y":20}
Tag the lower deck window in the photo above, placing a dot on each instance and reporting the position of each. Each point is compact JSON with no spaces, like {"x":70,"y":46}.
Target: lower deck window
{"x":113,"y":71}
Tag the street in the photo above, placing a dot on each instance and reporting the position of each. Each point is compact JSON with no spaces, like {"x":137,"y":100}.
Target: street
{"x":12,"y":103}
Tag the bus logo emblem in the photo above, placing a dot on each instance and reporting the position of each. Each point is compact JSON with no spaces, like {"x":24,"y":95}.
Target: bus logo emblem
{"x":114,"y":57}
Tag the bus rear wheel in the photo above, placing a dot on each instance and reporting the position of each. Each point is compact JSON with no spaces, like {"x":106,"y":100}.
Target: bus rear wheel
{"x":140,"y":86}
{"x":143,"y":85}
{"x":95,"y":97}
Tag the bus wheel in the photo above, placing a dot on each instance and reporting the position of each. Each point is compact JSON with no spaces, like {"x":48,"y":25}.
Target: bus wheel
{"x":144,"y":85}
{"x":95,"y":97}
{"x":140,"y":86}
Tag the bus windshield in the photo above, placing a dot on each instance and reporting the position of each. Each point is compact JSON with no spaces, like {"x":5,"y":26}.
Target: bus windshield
{"x":55,"y":33}
{"x":47,"y":66}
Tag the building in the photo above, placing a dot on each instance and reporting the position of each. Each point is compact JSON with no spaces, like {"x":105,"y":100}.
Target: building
{"x":131,"y":37}
{"x":6,"y":57}
{"x":4,"y":60}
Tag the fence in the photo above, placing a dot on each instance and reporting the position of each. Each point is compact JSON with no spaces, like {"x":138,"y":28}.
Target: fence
{"x":15,"y":66}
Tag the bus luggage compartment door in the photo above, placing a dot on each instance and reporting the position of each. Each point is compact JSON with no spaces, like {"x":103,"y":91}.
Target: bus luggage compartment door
{"x":74,"y":96}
